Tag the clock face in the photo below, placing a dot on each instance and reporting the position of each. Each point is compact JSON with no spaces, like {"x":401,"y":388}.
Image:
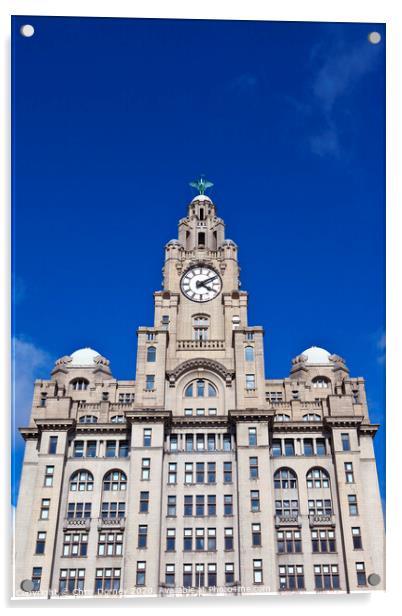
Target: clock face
{"x":201,"y":284}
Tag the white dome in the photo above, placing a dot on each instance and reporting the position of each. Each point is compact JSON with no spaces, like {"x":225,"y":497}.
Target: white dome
{"x":317,"y":355}
{"x":201,"y":198}
{"x":83,"y":357}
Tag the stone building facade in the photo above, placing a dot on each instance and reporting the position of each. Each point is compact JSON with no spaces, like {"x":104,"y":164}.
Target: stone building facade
{"x":201,"y":476}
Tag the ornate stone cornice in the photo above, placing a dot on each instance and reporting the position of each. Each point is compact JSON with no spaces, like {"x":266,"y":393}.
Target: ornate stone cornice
{"x":370,"y":429}
{"x":298,"y":426}
{"x":94,"y":428}
{"x":200,"y":363}
{"x":343,"y":421}
{"x":29,"y":434}
{"x":252,"y":415}
{"x":149,"y":415}
{"x":200,"y":421}
{"x":55,"y":423}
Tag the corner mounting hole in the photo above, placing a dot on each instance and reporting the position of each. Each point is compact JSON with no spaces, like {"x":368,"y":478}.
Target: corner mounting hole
{"x":374,"y":38}
{"x":27,"y":30}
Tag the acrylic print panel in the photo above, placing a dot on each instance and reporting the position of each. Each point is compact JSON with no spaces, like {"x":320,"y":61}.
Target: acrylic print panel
{"x":155,"y":444}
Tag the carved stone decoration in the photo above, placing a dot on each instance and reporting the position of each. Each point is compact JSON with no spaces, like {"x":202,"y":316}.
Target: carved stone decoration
{"x":66,"y":359}
{"x":101,"y":360}
{"x":300,"y":359}
{"x":203,"y":364}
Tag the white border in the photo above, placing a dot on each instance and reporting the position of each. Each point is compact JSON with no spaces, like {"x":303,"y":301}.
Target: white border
{"x":286,"y":10}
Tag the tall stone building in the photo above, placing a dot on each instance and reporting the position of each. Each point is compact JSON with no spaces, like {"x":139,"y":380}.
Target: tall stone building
{"x":201,"y":476}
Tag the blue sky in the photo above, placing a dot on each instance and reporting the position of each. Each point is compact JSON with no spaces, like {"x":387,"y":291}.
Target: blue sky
{"x":111,"y":120}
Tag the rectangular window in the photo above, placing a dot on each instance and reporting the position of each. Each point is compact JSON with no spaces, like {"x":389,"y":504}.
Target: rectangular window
{"x":257,"y":571}
{"x":255,"y":535}
{"x":287,"y":508}
{"x":188,"y":472}
{"x":169,"y":575}
{"x":352,"y":501}
{"x":211,"y":472}
{"x":361,"y":574}
{"x":227,"y":472}
{"x":71,"y":581}
{"x":211,"y":504}
{"x":90,"y":449}
{"x":276,"y":448}
{"x":227,"y":442}
{"x":187,"y":576}
{"x":320,"y":507}
{"x":211,"y":446}
{"x":199,"y":539}
{"x":75,"y":544}
{"x":107,"y":581}
{"x":188,"y":505}
{"x":170,"y":539}
{"x":326,"y":577}
{"x":200,"y":412}
{"x":211,"y":581}
{"x":199,"y":575}
{"x":228,"y":539}
{"x":323,"y":540}
{"x":144,"y":502}
{"x":229,"y":573}
{"x":78,"y":451}
{"x":49,"y":474}
{"x":250,"y":381}
{"x":142,"y":536}
{"x":308,"y":447}
{"x":172,"y":472}
{"x":110,"y":544}
{"x":212,"y":411}
{"x":44,"y":510}
{"x":189,"y":442}
{"x":291,"y":577}
{"x":289,"y":447}
{"x":43,"y":400}
{"x":147,"y":437}
{"x":252,"y":437}
{"x":40,"y":543}
{"x":199,"y":505}
{"x":200,"y":472}
{"x":228,"y":504}
{"x":188,"y":411}
{"x":171,"y":506}
{"x":123,"y":449}
{"x":289,"y":541}
{"x":145,"y":469}
{"x":321,"y":448}
{"x":255,"y":500}
{"x":36,"y":578}
{"x":52,"y":444}
{"x":113,"y":510}
{"x":173,"y":442}
{"x":188,"y":539}
{"x":140,"y":573}
{"x":110,"y":449}
{"x":345,"y":441}
{"x":253,"y":463}
{"x":150,"y":382}
{"x":349,"y":472}
{"x":211,"y":547}
{"x":357,"y":538}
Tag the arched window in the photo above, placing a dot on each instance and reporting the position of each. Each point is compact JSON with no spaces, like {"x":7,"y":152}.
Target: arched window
{"x":282,"y":417}
{"x":88,"y":419}
{"x":82,"y":481}
{"x":249,"y":353}
{"x":114,"y":481}
{"x":312,"y":417}
{"x":151,"y":353}
{"x":200,"y":389}
{"x":118,"y":419}
{"x":79,"y":384}
{"x":317,"y":478}
{"x":285,"y":478}
{"x":321,"y":382}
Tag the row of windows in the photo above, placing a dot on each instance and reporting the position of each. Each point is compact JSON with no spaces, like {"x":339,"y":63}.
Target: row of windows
{"x":108,"y":579}
{"x":310,"y":447}
{"x":194,"y":472}
{"x":201,"y":442}
{"x":199,"y":539}
{"x":91,"y":419}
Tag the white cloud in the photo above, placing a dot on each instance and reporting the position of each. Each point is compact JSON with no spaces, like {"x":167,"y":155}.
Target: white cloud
{"x":29,"y":363}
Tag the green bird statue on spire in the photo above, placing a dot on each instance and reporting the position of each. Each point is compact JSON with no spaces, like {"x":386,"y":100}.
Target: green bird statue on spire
{"x":201,"y":185}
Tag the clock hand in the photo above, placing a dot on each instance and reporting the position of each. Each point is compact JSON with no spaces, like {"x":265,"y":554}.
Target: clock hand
{"x":202,"y":283}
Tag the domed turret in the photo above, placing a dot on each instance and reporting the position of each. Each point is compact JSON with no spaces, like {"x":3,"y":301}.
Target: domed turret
{"x":317,"y":355}
{"x":84,"y":358}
